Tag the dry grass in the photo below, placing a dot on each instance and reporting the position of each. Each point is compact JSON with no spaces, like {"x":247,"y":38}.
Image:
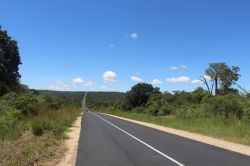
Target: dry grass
{"x":22,"y":146}
{"x":31,"y":150}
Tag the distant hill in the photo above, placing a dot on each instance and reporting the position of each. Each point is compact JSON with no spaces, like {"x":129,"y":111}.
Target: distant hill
{"x":92,"y":97}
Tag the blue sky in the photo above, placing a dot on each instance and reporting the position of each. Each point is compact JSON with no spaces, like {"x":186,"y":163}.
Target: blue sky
{"x":110,"y":45}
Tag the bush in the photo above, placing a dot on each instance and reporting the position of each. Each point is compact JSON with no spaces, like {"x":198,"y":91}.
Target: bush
{"x":53,"y":102}
{"x":191,"y":111}
{"x":153,"y":109}
{"x":139,"y":109}
{"x":166,"y":109}
{"x":11,"y":125}
{"x":224,"y":105}
{"x":246,"y":109}
{"x":26,"y":103}
{"x":37,"y":128}
{"x":42,"y":124}
{"x":55,"y":122}
{"x":158,"y":104}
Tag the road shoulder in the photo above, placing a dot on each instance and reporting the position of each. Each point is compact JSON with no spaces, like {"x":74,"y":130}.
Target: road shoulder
{"x":69,"y":159}
{"x":242,"y":149}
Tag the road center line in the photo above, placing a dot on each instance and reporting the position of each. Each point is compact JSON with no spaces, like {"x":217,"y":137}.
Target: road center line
{"x":137,"y":139}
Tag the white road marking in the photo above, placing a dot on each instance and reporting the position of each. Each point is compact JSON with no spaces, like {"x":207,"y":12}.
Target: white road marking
{"x":151,"y":147}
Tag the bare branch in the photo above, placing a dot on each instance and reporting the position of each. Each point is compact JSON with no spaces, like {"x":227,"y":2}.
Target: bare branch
{"x":204,"y":80}
{"x":243,"y":89}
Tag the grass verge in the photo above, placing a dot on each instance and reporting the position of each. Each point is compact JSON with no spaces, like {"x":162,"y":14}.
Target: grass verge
{"x":232,"y":129}
{"x":29,"y":150}
{"x":35,"y":140}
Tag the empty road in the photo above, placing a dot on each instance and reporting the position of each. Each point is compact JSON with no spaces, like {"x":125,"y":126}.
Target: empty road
{"x":108,"y":141}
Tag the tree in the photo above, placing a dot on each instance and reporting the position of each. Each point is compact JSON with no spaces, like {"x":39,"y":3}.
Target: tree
{"x":222,"y":76}
{"x":138,"y":95}
{"x":9,"y":62}
{"x":228,"y":77}
{"x":214,"y":72}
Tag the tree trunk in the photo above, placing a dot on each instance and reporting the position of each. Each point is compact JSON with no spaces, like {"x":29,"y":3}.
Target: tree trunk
{"x":216,"y":85}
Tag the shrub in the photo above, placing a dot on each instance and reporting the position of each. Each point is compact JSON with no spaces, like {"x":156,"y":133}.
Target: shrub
{"x":53,"y":102}
{"x":246,"y":109}
{"x":37,"y":128}
{"x":11,"y":125}
{"x":166,"y":109}
{"x":153,"y":109}
{"x":139,"y":109}
{"x":191,"y":111}
{"x":224,"y":105}
{"x":55,"y":122}
{"x":158,"y":104}
{"x":26,"y":103}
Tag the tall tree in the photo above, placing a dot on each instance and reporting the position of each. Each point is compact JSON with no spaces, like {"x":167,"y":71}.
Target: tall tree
{"x":229,"y":76}
{"x":214,"y":70}
{"x":138,"y":95}
{"x":222,"y":76}
{"x":9,"y":63}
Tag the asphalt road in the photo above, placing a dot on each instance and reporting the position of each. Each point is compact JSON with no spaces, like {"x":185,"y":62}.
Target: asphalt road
{"x":108,"y":141}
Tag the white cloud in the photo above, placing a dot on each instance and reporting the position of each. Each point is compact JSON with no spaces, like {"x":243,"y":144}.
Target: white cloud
{"x":134,"y":36}
{"x":109,"y":76}
{"x":77,"y":80}
{"x":183,"y":66}
{"x":112,"y":45}
{"x":76,"y":84}
{"x":207,"y":77}
{"x":136,"y":79}
{"x":178,"y":79}
{"x":174,"y":68}
{"x":196,"y":81}
{"x":156,"y":82}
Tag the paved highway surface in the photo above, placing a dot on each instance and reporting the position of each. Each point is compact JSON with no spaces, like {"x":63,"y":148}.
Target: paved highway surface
{"x":108,"y":141}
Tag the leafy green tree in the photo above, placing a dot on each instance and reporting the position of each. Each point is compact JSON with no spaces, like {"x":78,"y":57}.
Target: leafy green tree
{"x":9,"y":62}
{"x":223,"y":76}
{"x":214,"y":70}
{"x":138,"y":95}
{"x":229,"y":76}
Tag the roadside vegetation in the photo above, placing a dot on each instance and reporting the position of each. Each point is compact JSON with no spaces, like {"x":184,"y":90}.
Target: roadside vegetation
{"x":221,"y":108}
{"x":32,"y":125}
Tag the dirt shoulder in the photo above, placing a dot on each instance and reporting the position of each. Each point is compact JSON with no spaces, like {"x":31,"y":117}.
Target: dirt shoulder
{"x":243,"y":149}
{"x":69,"y":158}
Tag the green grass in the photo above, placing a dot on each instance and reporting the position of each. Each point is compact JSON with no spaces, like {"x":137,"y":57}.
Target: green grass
{"x":28,"y":140}
{"x":55,"y":121}
{"x":232,"y":129}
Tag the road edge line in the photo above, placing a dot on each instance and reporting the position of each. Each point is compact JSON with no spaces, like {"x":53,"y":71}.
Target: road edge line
{"x":142,"y":142}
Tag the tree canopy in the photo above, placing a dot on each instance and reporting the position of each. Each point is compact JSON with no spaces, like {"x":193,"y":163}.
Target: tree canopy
{"x":138,"y":95}
{"x":9,"y":63}
{"x":222,"y":77}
